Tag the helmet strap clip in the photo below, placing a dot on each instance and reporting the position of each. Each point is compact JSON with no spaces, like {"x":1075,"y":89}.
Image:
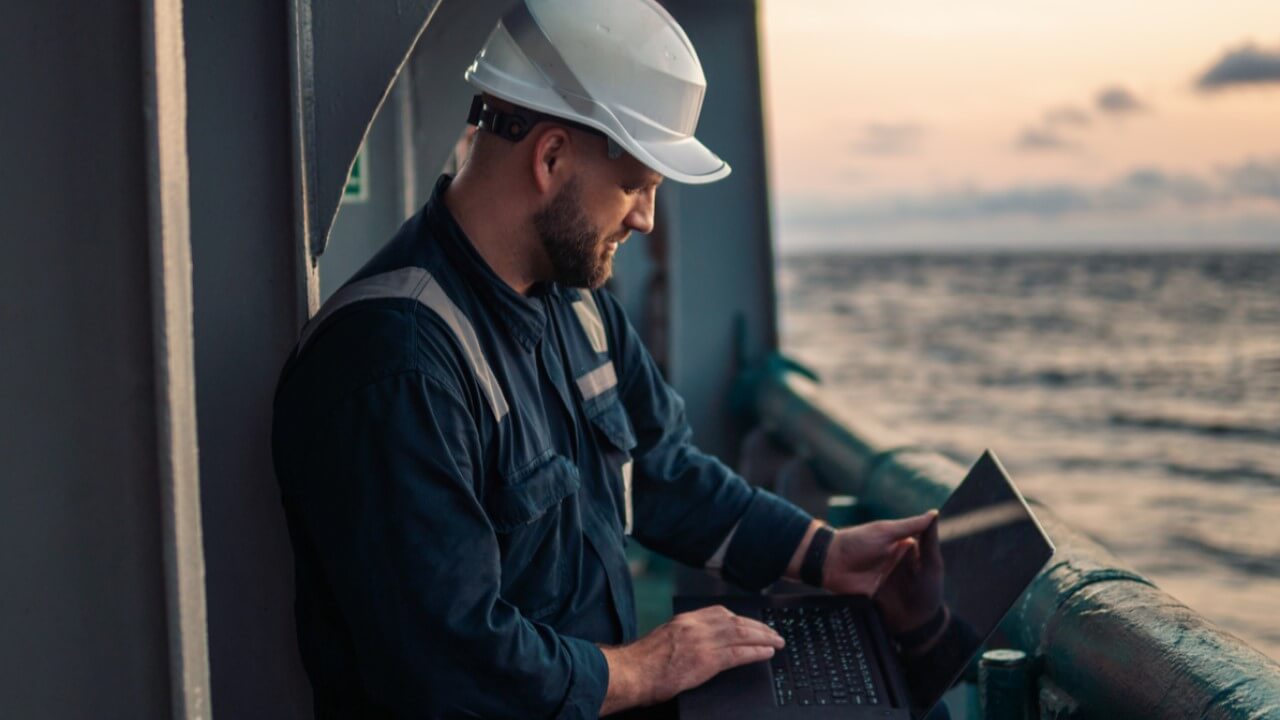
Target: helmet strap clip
{"x":516,"y":124}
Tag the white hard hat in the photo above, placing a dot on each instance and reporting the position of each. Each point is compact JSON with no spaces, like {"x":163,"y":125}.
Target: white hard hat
{"x":622,"y":67}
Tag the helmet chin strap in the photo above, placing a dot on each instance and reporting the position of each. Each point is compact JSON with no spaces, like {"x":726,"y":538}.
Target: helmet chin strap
{"x":515,"y":124}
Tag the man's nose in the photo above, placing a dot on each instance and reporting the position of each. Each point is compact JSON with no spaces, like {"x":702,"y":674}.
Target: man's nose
{"x":640,"y":219}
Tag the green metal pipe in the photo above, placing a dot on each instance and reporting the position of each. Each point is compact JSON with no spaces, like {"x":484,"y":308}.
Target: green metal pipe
{"x":1103,"y":635}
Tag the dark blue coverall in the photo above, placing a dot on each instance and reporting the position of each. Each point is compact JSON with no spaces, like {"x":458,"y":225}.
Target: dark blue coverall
{"x":454,"y":460}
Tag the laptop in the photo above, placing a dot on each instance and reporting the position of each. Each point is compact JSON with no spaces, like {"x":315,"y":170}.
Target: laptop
{"x":839,"y":661}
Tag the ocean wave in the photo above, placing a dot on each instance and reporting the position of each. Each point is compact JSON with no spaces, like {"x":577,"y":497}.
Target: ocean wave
{"x":1229,"y":475}
{"x":1211,"y":427}
{"x":1239,"y":474}
{"x":1052,"y":378}
{"x":1245,"y":561}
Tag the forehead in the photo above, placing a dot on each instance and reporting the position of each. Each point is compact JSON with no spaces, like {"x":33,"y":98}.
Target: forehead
{"x":624,"y":167}
{"x":635,"y":171}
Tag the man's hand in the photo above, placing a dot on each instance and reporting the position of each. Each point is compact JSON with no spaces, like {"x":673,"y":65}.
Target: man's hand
{"x":687,"y":651}
{"x":912,"y":593}
{"x":862,"y":556}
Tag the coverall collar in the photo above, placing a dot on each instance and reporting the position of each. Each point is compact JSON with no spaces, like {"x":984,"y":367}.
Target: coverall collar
{"x":523,"y":316}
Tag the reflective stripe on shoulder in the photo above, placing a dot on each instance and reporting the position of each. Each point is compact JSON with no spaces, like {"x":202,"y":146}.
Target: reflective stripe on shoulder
{"x":592,"y":324}
{"x":597,"y":381}
{"x":417,"y":284}
{"x":604,"y":377}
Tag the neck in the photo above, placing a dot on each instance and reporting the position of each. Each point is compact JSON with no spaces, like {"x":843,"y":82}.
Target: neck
{"x":499,"y":230}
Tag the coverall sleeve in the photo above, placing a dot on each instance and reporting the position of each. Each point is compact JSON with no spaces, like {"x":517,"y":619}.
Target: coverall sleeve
{"x":687,"y":502}
{"x":413,"y":562}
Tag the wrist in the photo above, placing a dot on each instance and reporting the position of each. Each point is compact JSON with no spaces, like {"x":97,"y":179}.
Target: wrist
{"x":626,"y":688}
{"x":832,"y":562}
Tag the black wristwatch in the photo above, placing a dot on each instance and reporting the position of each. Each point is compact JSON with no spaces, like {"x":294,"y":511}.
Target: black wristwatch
{"x":816,"y":556}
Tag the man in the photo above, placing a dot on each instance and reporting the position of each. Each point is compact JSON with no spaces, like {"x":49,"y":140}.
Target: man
{"x":469,"y":430}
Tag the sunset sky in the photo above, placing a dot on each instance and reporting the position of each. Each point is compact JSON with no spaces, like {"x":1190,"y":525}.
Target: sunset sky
{"x":1006,"y":123}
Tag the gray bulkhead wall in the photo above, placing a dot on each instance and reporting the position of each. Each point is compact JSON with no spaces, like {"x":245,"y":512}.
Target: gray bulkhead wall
{"x":246,"y":299}
{"x":95,"y":420}
{"x":722,"y":283}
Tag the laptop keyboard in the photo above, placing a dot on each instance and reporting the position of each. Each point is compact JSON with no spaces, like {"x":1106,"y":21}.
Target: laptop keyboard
{"x":824,"y":662}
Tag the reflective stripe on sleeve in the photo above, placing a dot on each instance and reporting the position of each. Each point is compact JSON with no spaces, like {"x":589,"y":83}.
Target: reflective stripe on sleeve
{"x":716,"y":561}
{"x":417,"y":284}
{"x":628,"y":515}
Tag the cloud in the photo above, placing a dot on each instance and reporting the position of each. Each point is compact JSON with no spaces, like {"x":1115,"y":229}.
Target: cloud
{"x":1139,"y":191}
{"x":1066,"y":116}
{"x":1040,"y":139}
{"x":1048,"y":135}
{"x":1037,"y":140}
{"x":1253,"y":179}
{"x":1118,"y":100}
{"x":889,"y":139}
{"x":1244,"y":65}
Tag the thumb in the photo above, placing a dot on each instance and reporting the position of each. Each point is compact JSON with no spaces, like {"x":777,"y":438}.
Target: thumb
{"x":909,"y":526}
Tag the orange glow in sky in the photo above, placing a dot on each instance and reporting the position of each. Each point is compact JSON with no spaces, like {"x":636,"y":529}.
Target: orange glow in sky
{"x":870,"y":103}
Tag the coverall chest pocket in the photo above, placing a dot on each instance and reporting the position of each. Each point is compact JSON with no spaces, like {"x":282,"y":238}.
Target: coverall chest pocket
{"x":617,"y":440}
{"x":534,"y":532}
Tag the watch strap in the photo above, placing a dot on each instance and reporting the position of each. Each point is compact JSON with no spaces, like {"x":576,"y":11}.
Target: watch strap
{"x":816,"y":556}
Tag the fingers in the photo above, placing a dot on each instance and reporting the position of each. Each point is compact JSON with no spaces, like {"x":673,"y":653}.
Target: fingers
{"x":720,"y":640}
{"x":745,"y":631}
{"x":931,"y":547}
{"x":735,"y":655}
{"x":903,"y":558}
{"x":726,"y":628}
{"x":907,"y":551}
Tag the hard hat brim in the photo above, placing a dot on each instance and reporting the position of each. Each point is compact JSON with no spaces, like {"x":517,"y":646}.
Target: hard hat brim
{"x":686,"y":161}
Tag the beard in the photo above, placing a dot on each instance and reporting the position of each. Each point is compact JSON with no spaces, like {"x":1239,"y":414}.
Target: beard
{"x":579,"y":257}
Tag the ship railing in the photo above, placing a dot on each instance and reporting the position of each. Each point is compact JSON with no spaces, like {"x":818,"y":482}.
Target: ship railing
{"x":1103,"y":640}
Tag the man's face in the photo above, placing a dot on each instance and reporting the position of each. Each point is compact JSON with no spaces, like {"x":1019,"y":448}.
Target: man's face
{"x":592,"y":214}
{"x":581,"y":255}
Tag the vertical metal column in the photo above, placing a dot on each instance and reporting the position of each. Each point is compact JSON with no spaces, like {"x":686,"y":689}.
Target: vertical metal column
{"x":165,"y":98}
{"x":721,"y":235}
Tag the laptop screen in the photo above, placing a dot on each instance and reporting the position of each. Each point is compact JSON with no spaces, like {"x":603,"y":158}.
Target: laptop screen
{"x":992,"y":548}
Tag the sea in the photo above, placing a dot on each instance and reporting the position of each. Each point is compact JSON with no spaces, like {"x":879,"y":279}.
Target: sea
{"x":1138,"y":395}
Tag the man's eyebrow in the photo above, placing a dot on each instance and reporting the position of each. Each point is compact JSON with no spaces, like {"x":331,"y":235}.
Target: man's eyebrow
{"x":651,"y":180}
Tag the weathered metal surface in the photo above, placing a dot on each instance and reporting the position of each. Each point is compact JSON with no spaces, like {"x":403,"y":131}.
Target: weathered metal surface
{"x":1108,"y":642}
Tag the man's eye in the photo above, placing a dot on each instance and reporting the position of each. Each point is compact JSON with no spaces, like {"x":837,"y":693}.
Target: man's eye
{"x":631,"y":189}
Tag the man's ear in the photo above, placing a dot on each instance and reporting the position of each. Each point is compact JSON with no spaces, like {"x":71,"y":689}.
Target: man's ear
{"x":550,"y":159}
